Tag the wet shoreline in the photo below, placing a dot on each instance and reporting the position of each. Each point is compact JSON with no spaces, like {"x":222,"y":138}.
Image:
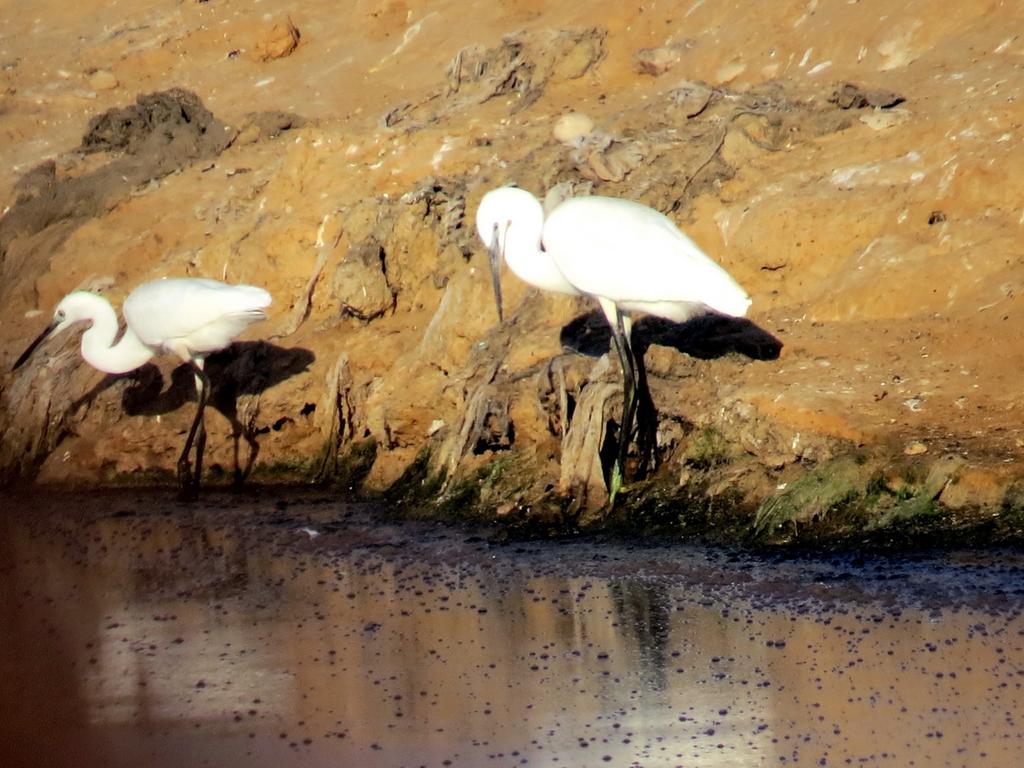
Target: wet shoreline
{"x":141,"y":631}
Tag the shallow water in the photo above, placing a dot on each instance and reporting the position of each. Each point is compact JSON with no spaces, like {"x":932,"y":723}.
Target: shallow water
{"x":136,"y":631}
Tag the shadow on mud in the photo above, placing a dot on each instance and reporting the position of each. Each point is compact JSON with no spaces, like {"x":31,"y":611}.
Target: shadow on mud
{"x":244,"y":369}
{"x":706,"y":337}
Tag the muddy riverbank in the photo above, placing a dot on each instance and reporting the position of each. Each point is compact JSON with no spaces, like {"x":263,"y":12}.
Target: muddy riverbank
{"x":287,"y":628}
{"x":851,"y":164}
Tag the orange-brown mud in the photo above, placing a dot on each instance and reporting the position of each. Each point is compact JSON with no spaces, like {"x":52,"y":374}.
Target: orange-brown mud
{"x":877,"y":229}
{"x":136,"y":631}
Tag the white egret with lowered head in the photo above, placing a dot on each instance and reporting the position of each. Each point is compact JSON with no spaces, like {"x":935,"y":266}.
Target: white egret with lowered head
{"x":630,"y":257}
{"x":187,"y":317}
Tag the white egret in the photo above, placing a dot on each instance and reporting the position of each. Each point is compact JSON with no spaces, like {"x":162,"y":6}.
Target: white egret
{"x":630,"y":257}
{"x":187,"y":317}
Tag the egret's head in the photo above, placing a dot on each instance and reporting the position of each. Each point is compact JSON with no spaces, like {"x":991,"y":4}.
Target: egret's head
{"x":71,"y":310}
{"x":505,"y":212}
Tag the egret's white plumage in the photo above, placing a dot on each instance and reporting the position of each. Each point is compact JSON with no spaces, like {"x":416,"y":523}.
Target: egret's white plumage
{"x":187,"y":317}
{"x":193,"y":314}
{"x":628,"y":256}
{"x":610,"y":248}
{"x":635,"y":256}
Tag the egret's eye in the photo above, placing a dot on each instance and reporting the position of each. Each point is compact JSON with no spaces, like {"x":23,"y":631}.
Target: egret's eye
{"x":60,"y":315}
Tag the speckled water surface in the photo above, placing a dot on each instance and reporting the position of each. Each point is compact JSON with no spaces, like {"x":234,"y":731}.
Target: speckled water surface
{"x":137,"y":631}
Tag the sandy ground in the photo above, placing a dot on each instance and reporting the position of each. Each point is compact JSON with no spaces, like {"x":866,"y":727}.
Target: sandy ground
{"x":881,"y":246}
{"x":137,"y":631}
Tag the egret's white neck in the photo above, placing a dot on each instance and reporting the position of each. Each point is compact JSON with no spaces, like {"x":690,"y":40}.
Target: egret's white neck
{"x":98,"y":346}
{"x":522,"y":245}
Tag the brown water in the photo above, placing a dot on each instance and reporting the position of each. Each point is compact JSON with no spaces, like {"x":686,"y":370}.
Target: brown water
{"x":139,"y":632}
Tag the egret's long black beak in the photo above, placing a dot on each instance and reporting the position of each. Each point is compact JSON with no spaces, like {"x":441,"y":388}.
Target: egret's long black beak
{"x":494,"y":252}
{"x":32,"y":347}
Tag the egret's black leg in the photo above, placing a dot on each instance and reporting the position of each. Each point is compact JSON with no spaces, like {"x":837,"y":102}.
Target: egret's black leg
{"x":629,"y":396}
{"x":188,"y":484}
{"x":646,"y":416}
{"x":239,"y":432}
{"x":200,"y":447}
{"x":625,"y":349}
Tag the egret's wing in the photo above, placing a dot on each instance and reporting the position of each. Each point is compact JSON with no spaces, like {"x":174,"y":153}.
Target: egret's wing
{"x":628,"y":252}
{"x":172,"y":309}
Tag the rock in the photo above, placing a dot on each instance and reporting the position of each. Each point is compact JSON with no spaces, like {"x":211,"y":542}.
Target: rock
{"x":103,"y":80}
{"x":361,"y":284}
{"x":740,"y":148}
{"x":603,"y":158}
{"x":850,"y":96}
{"x":277,"y":41}
{"x":993,"y":488}
{"x":657,"y":61}
{"x":923,"y":501}
{"x":691,"y":98}
{"x":248,"y":134}
{"x":915,"y":448}
{"x":730,"y":72}
{"x":878,"y":120}
{"x":156,"y":121}
{"x":259,"y":126}
{"x":572,"y":128}
{"x":575,"y":52}
{"x":503,"y":510}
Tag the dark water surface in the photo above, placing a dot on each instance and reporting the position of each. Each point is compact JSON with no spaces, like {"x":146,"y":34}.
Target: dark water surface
{"x":135,"y":631}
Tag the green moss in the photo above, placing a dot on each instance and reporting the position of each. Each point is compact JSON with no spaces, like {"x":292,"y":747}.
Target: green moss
{"x":1009,"y":522}
{"x":144,"y":478}
{"x":417,"y":483}
{"x":1013,"y":499}
{"x":480,"y":493}
{"x":508,"y":476}
{"x":290,"y":469}
{"x":707,"y":449}
{"x":811,"y":499}
{"x":658,"y":506}
{"x":348,"y":469}
{"x":852,"y":500}
{"x":460,"y":500}
{"x":916,"y":506}
{"x":474,"y":495}
{"x":897,"y":505}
